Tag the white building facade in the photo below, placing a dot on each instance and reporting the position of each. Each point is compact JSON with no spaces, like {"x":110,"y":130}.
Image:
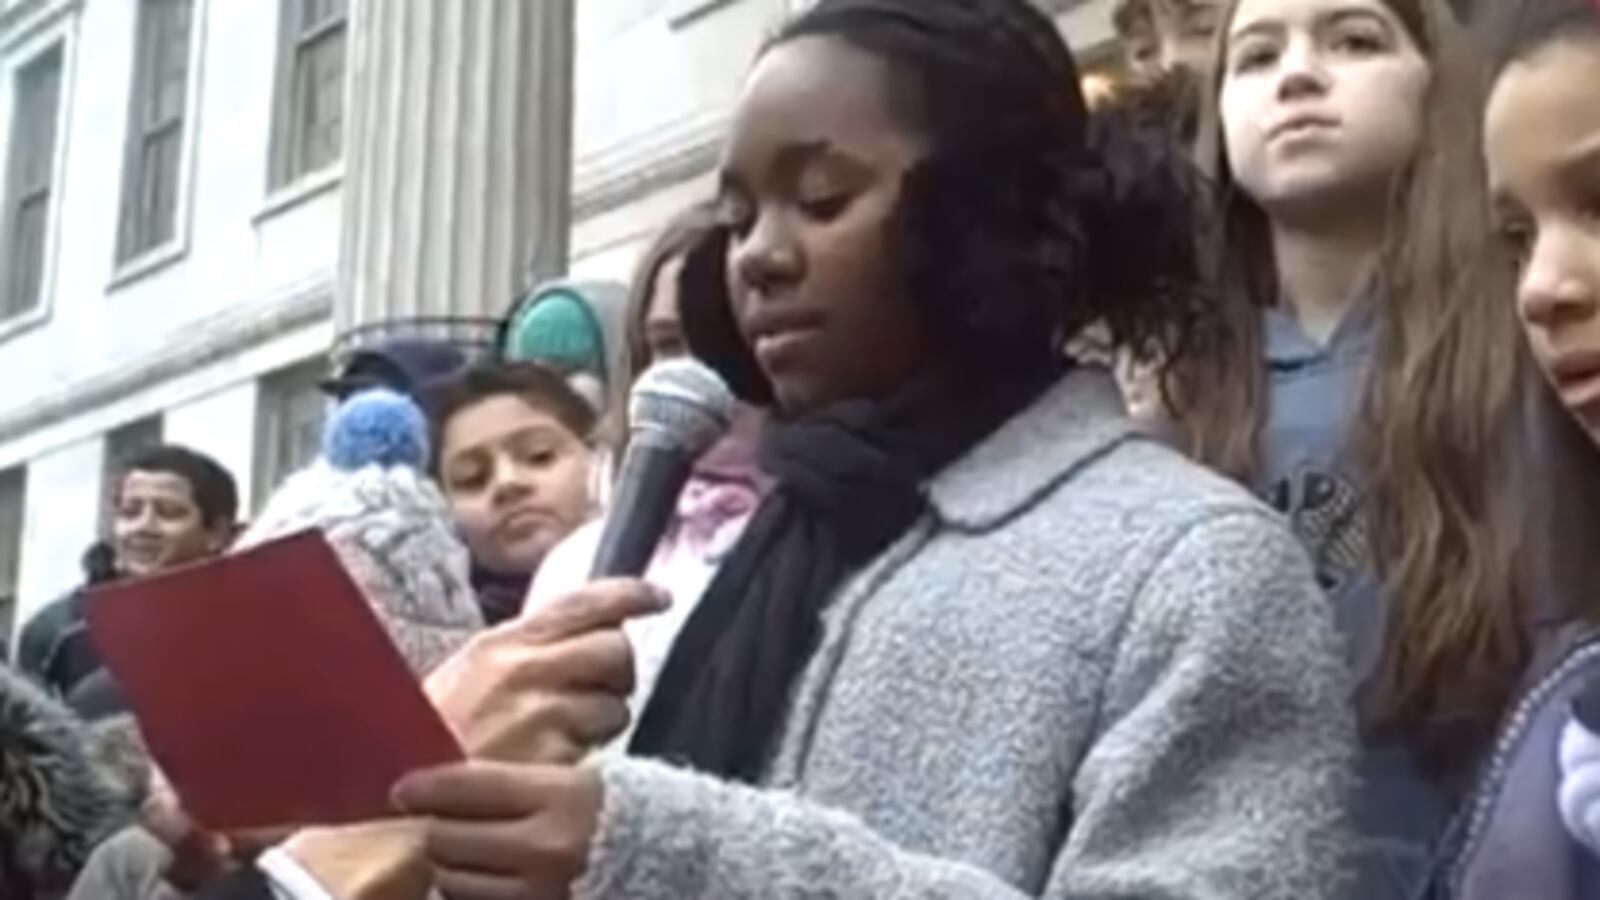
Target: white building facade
{"x":176,"y":179}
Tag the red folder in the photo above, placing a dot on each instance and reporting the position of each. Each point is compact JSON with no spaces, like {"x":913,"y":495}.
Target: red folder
{"x":268,"y":691}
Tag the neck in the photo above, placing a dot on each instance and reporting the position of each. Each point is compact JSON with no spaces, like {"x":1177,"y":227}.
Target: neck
{"x":1322,"y":270}
{"x":500,"y":596}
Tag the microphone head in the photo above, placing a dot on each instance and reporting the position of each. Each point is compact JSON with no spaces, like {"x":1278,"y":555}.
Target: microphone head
{"x":681,"y":404}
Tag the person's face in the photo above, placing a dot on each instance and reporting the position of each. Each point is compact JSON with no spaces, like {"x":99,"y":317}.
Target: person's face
{"x":1322,"y":103}
{"x":158,"y":525}
{"x":1542,"y":147}
{"x":1141,"y":51}
{"x":810,"y":181}
{"x":1184,"y":33}
{"x":517,"y":481}
{"x":663,"y":330}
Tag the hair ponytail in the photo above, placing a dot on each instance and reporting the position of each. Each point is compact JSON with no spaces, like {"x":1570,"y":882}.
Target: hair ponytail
{"x":1143,"y":203}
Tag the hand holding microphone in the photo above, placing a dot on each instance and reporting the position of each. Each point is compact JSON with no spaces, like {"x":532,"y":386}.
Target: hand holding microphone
{"x":554,"y":684}
{"x":547,"y":687}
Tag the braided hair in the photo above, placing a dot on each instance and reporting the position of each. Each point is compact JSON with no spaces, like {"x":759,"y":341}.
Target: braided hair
{"x":1029,"y":220}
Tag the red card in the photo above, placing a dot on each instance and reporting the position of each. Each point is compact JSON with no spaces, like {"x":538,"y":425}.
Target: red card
{"x":267,"y":689}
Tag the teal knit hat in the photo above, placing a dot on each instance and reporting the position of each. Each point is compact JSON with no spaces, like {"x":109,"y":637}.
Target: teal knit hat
{"x":559,"y":329}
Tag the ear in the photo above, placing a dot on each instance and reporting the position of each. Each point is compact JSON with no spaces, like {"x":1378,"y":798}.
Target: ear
{"x":221,"y":536}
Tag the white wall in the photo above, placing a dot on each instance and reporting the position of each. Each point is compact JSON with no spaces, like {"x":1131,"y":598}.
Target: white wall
{"x":642,"y":82}
{"x":237,"y":254}
{"x":61,"y":522}
{"x":222,"y":426}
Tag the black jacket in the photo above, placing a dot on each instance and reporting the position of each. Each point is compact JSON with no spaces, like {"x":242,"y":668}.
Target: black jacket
{"x":247,"y":883}
{"x":55,"y":649}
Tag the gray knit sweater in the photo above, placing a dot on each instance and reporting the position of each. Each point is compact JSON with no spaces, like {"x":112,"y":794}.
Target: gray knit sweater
{"x":1093,"y":671}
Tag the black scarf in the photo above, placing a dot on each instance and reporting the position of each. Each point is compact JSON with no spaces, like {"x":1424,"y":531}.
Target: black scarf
{"x":848,"y":482}
{"x":500,"y":597}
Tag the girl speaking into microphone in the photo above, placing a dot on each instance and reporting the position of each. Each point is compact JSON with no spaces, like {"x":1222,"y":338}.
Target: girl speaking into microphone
{"x":983,"y":637}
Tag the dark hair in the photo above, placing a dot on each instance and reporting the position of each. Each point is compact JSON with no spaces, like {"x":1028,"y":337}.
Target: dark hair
{"x":1166,"y":103}
{"x":215,"y":493}
{"x":99,"y":563}
{"x":537,"y":386}
{"x":686,"y":229}
{"x":1029,"y":219}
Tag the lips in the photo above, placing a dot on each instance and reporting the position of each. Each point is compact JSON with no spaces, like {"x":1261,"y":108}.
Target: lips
{"x":1576,"y":376}
{"x":778,"y":335}
{"x":519,"y":522}
{"x":142,"y":548}
{"x":1304,"y":123}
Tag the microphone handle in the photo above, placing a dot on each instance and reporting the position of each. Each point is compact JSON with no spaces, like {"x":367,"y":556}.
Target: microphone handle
{"x":652,"y":478}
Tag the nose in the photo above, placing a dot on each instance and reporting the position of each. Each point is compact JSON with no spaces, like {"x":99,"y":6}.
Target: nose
{"x":1300,"y":71}
{"x":512,"y":482}
{"x":1559,"y":283}
{"x":769,"y":256}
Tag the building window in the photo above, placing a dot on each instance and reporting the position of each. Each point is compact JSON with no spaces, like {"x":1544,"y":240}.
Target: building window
{"x":13,"y":500}
{"x":288,"y":425}
{"x":29,"y":187}
{"x":122,"y":445}
{"x":309,"y":132}
{"x":155,"y":127}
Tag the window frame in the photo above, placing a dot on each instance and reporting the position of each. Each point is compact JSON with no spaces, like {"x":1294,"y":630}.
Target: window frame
{"x":288,"y":172}
{"x":276,"y":397}
{"x":13,"y":483}
{"x":56,"y":45}
{"x":140,"y":255}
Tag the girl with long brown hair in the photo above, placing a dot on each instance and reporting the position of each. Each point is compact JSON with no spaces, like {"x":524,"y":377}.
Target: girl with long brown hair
{"x":1523,"y":176}
{"x":1351,"y":398}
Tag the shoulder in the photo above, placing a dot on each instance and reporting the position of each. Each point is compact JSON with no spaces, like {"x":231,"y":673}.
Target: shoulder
{"x":1187,"y":534}
{"x":1162,"y":552}
{"x":1074,"y":467}
{"x":1141,"y":500}
{"x":53,"y":618}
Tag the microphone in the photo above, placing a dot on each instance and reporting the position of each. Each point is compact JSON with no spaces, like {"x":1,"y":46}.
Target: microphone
{"x":678,"y":409}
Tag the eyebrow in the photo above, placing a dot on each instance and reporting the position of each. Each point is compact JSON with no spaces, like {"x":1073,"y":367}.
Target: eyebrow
{"x":1333,"y":17}
{"x":791,"y":158}
{"x":1255,"y":29}
{"x":551,"y":432}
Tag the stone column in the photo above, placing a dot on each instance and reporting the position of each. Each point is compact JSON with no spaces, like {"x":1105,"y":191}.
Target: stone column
{"x":458,"y":157}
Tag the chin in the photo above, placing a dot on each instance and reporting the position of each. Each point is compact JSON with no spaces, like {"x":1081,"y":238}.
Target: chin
{"x":524,"y":560}
{"x":1312,"y":195}
{"x":795,"y":397}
